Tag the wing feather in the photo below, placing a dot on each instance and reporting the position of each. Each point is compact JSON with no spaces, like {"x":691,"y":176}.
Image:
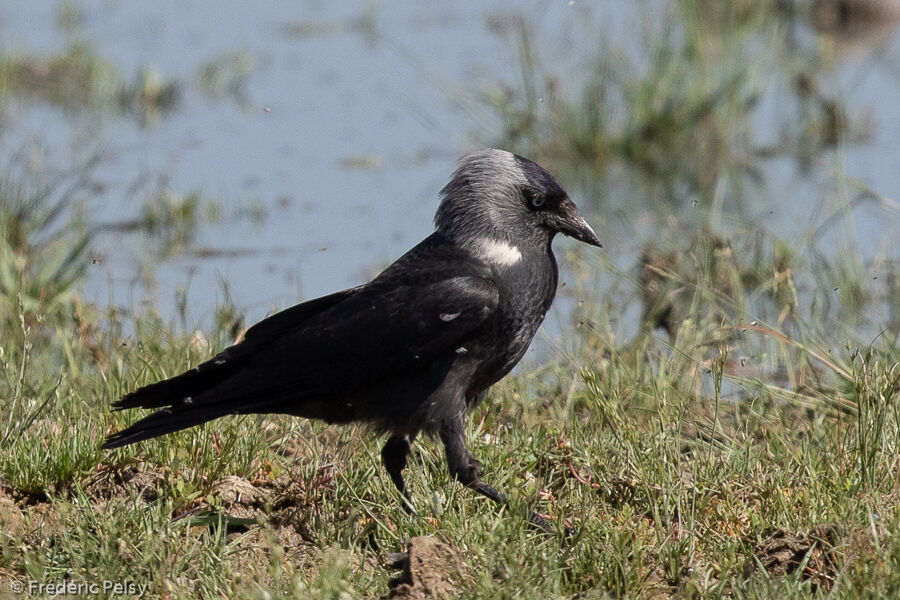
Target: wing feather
{"x":375,"y":336}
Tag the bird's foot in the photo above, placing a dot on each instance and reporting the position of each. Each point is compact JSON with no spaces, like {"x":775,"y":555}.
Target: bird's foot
{"x":407,"y":504}
{"x":540,"y":521}
{"x":470,"y":474}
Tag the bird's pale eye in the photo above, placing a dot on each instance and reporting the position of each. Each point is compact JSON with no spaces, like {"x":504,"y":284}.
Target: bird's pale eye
{"x":534,"y":198}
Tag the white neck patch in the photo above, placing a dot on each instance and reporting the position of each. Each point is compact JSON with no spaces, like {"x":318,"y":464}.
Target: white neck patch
{"x":497,"y":252}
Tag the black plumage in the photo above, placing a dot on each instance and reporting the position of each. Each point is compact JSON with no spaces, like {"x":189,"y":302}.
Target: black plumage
{"x":414,"y":348}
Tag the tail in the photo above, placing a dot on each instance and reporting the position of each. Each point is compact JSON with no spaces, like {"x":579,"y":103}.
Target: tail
{"x":198,"y":395}
{"x":176,"y":389}
{"x":186,"y":400}
{"x":162,"y":422}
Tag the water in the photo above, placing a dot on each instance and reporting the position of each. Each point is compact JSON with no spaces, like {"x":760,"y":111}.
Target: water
{"x":351,"y":122}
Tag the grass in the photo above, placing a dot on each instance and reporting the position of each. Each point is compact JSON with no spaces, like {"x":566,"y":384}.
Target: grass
{"x":720,"y":420}
{"x":79,"y":80}
{"x":682,"y":473}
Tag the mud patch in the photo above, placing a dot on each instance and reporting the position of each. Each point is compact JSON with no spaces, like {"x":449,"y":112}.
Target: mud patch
{"x":280,"y":507}
{"x":41,"y":525}
{"x":240,"y":497}
{"x":289,"y":501}
{"x":784,"y":552}
{"x":28,"y":522}
{"x":237,"y":491}
{"x":10,"y":513}
{"x":295,"y":501}
{"x":110,"y":482}
{"x":431,"y":569}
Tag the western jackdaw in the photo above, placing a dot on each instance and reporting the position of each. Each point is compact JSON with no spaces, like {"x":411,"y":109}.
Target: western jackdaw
{"x":415,"y":348}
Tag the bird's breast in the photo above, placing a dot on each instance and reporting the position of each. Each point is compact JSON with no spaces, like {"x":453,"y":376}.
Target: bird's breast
{"x":526,"y":293}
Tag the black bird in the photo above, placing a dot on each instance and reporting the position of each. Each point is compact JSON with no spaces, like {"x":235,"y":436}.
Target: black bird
{"x":414,"y":348}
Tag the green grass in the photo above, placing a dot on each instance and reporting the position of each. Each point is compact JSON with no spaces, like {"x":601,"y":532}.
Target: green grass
{"x":672,"y":464}
{"x":720,"y":420}
{"x":80,"y":81}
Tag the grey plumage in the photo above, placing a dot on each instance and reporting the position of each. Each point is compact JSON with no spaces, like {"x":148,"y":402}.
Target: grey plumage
{"x":411,"y":350}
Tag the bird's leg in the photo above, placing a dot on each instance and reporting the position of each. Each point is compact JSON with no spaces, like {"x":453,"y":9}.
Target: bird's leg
{"x":467,"y":470}
{"x":393,"y":455}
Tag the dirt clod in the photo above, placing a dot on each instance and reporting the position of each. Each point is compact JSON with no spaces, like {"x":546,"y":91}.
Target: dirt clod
{"x":10,"y":514}
{"x":783,"y":552}
{"x":123,"y":481}
{"x":431,"y":569}
{"x":237,"y":490}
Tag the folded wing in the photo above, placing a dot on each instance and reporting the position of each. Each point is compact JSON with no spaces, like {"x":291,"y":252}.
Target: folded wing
{"x":321,"y":351}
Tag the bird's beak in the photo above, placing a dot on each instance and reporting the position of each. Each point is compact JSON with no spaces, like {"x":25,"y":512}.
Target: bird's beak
{"x":570,"y":222}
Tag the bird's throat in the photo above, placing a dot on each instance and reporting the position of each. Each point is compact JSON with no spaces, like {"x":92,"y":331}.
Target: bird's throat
{"x":497,"y":252}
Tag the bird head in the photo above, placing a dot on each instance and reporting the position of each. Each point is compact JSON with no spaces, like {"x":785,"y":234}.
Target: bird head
{"x":498,"y":197}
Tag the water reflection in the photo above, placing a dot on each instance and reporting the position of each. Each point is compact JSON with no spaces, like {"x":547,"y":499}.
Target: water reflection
{"x":691,"y":127}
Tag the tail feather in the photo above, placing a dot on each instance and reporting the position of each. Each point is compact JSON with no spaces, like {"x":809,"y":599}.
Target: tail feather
{"x":176,"y":389}
{"x":221,"y":385}
{"x":186,"y":400}
{"x":162,"y":422}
